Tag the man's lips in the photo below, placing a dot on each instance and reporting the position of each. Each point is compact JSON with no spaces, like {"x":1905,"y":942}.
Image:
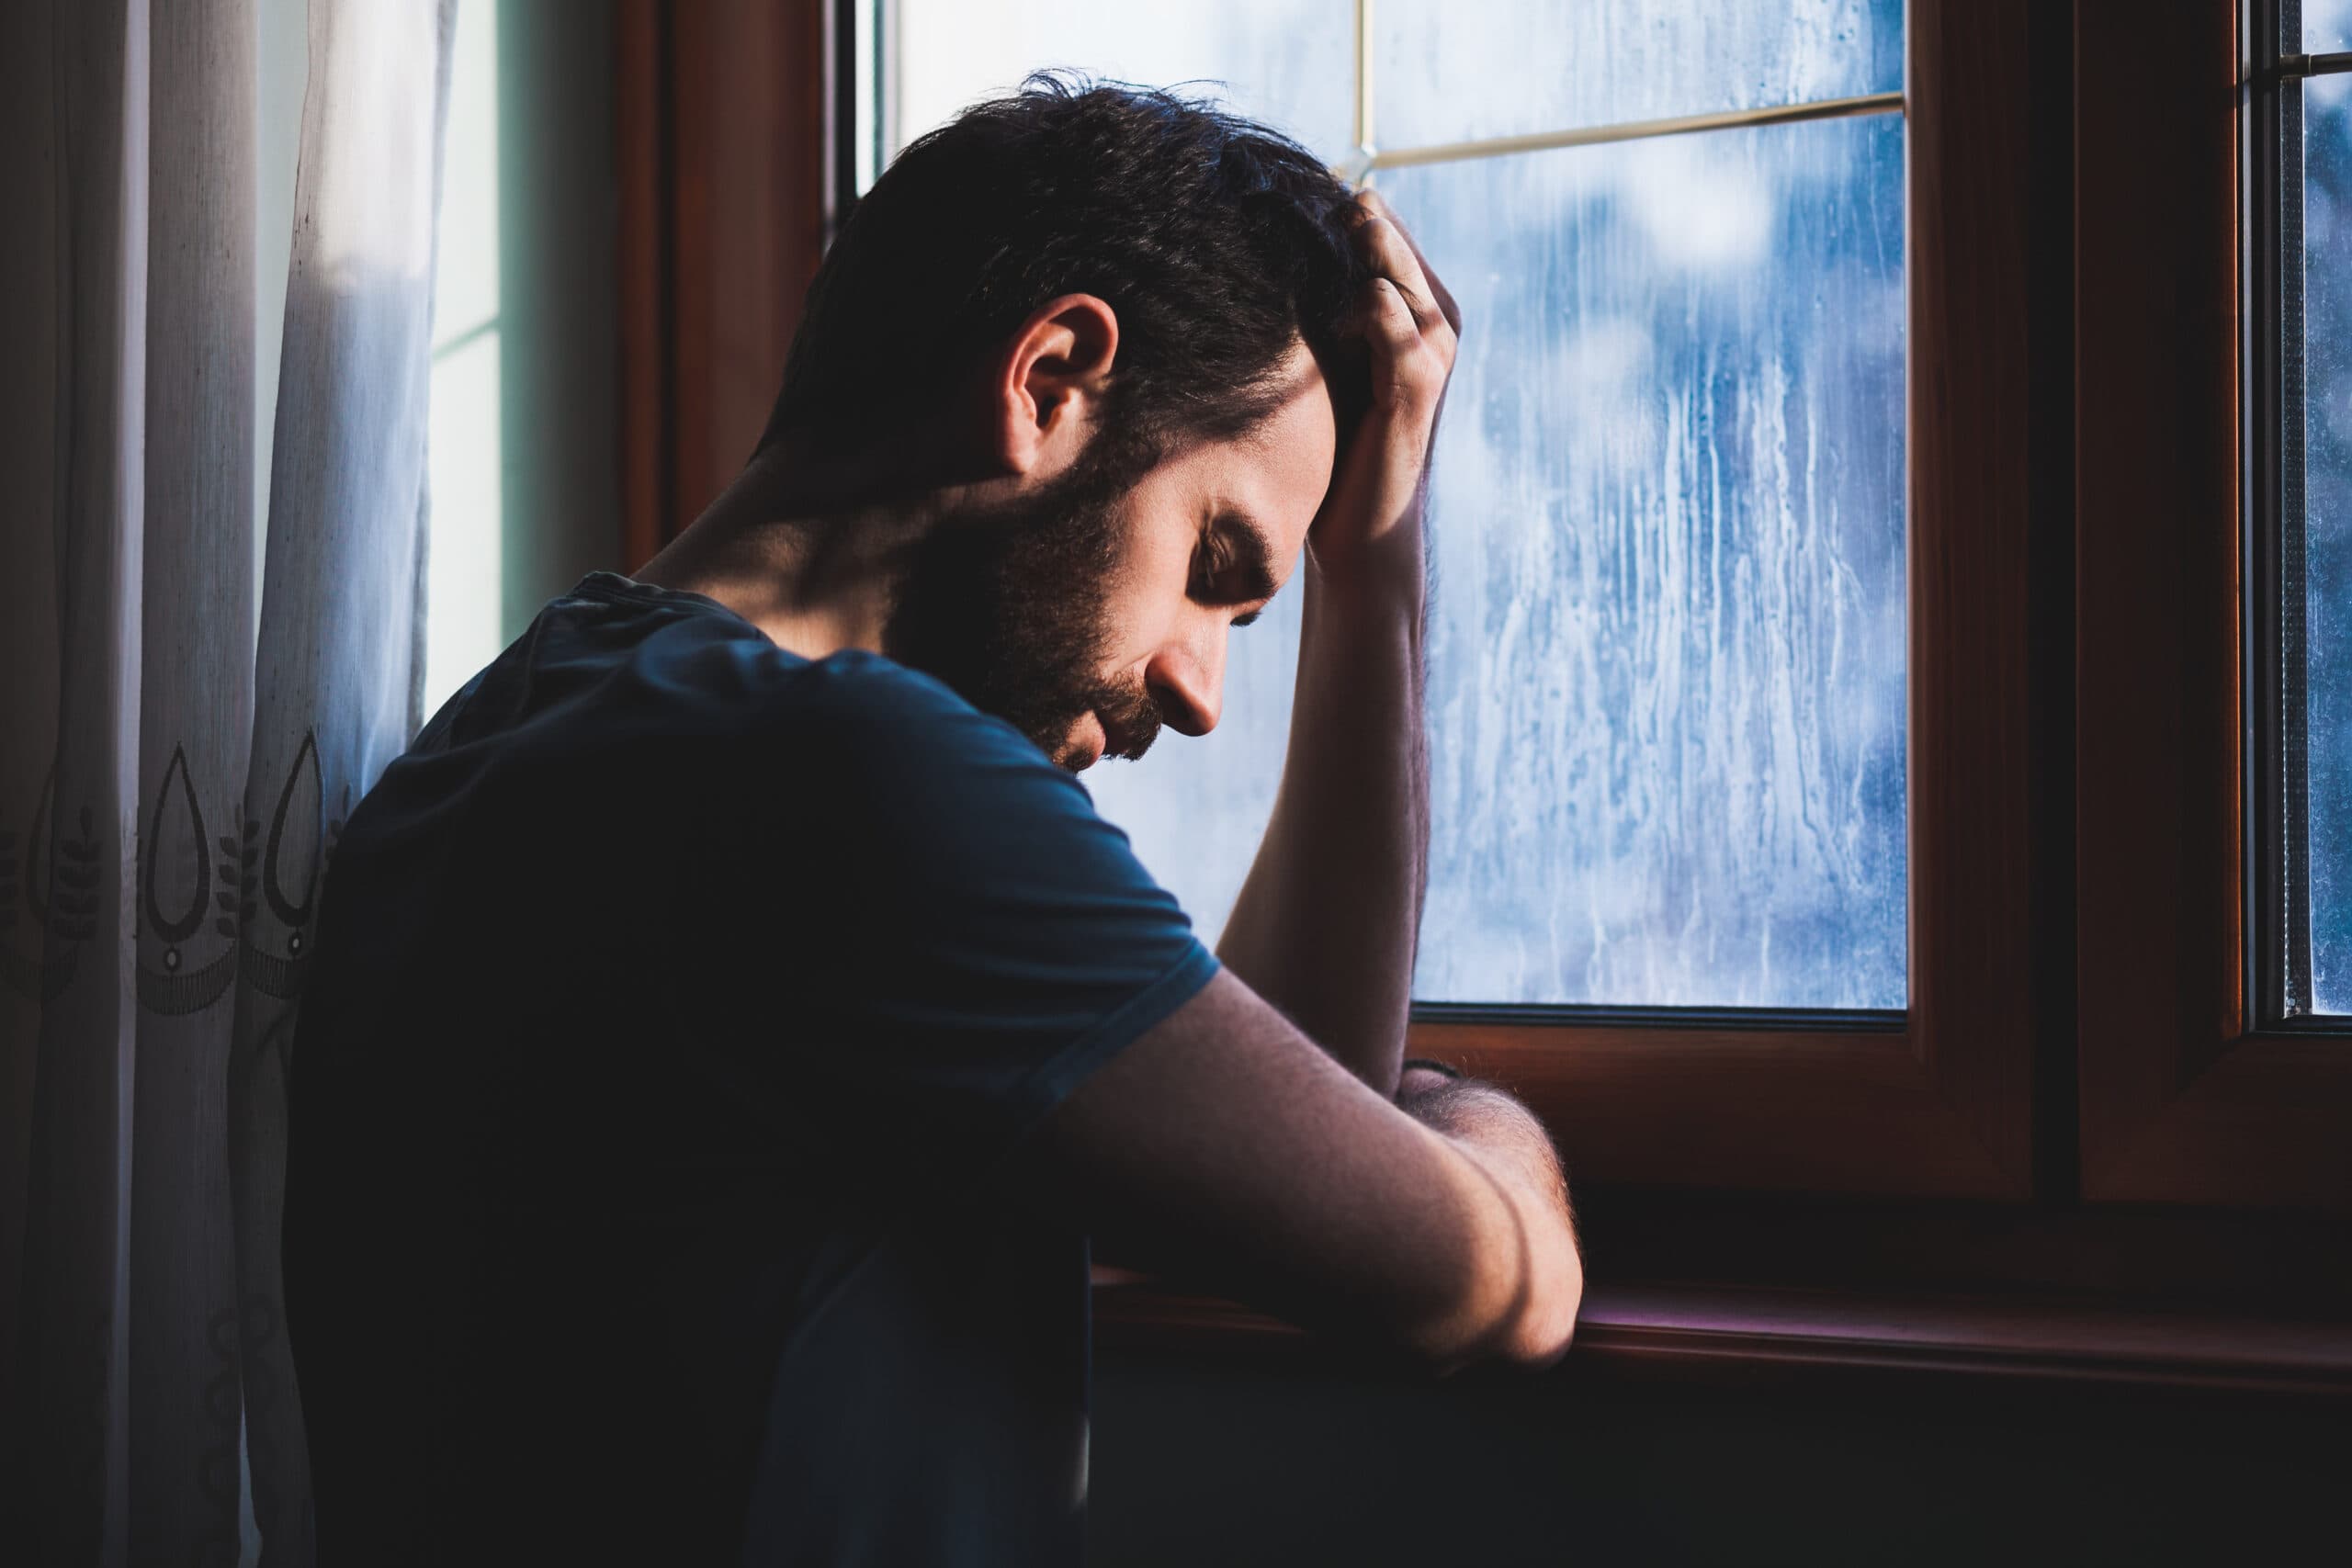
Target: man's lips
{"x":1095,"y":737}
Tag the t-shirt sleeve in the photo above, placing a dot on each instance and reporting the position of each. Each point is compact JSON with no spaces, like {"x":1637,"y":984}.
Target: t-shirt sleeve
{"x":987,"y":939}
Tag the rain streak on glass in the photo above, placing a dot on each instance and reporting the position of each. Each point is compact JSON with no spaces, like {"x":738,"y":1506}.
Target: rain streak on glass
{"x":2327,"y":496}
{"x":1666,"y":656}
{"x":1666,"y":651}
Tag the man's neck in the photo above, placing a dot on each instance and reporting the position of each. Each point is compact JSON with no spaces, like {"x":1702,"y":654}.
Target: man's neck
{"x":800,"y":546}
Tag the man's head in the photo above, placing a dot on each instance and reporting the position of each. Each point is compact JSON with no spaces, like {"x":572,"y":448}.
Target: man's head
{"x":1129,"y":310}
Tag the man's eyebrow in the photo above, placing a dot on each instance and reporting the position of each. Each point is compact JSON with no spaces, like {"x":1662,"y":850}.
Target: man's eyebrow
{"x":1253,"y":557}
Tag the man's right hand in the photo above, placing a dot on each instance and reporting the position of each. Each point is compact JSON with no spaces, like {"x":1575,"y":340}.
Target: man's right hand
{"x":1371,"y":524}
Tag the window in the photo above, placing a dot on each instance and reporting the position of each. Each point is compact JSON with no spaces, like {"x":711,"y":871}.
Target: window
{"x":1734,"y":663}
{"x":1668,"y":640}
{"x":2081,"y":1038}
{"x":2210,"y":592}
{"x":2304,"y":942}
{"x":2327,"y":498}
{"x":463,"y":581}
{"x":527,"y":376}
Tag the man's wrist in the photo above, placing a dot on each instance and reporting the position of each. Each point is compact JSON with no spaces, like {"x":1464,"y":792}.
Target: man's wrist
{"x":1387,"y":580}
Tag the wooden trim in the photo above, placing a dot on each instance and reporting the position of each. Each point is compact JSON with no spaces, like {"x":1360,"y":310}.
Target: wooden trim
{"x":2233,"y":1261}
{"x":1971,"y":842}
{"x":1633,"y":131}
{"x":2181,"y":1100}
{"x":640,"y":117}
{"x":1642,"y":1328}
{"x":1944,"y":1107}
{"x":726,"y":129}
{"x":1833,"y":1112}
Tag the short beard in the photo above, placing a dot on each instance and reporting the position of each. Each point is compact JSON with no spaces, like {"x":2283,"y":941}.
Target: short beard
{"x":1005,"y":604}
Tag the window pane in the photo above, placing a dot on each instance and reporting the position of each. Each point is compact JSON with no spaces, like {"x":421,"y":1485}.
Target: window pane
{"x":1666,"y":660}
{"x":1667,"y":653}
{"x":1196,"y":808}
{"x":465,"y":268}
{"x":464,"y":552}
{"x":1289,"y":63}
{"x":1447,"y":72}
{"x":2327,"y":26}
{"x":2327,"y":528}
{"x":1666,"y":685}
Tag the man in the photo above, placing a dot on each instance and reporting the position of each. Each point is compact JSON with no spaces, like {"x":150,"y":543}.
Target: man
{"x":731,"y":1020}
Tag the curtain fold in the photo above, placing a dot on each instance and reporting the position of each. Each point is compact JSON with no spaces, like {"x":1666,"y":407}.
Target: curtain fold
{"x":173,"y":776}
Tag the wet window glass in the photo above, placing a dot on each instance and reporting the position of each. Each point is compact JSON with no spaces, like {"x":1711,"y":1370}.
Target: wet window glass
{"x":2327,"y":506}
{"x":1668,"y":634}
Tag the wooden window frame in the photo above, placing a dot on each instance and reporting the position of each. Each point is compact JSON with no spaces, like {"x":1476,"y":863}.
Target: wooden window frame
{"x":2186,"y":1097}
{"x":714,"y":102}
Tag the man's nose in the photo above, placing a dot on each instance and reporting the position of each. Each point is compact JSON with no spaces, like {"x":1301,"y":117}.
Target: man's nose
{"x":1188,"y":682}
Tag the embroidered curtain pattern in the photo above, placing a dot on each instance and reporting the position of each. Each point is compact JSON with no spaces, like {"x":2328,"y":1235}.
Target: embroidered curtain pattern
{"x":175,"y":760}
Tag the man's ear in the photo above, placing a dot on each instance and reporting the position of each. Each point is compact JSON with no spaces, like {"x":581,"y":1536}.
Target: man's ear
{"x":1050,"y":381}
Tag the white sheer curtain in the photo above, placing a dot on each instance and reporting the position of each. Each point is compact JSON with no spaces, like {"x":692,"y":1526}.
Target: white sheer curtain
{"x":170,"y":784}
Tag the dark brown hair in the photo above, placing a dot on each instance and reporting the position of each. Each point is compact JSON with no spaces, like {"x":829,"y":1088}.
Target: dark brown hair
{"x":1217,"y":241}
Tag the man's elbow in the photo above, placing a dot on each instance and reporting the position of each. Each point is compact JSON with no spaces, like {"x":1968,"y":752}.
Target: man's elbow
{"x":1540,"y":1333}
{"x":1535,"y":1332}
{"x":1514,"y":1304}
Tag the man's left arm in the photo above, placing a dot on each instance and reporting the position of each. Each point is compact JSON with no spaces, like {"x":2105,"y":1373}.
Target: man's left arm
{"x":1329,"y":919}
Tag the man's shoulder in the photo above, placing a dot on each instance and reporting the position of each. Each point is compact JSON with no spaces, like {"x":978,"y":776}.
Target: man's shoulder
{"x":867,"y":696}
{"x":622,"y":696}
{"x":891,"y":746}
{"x":626,"y":664}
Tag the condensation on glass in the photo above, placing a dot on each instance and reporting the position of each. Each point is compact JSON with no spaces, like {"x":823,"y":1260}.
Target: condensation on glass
{"x":2327,"y":504}
{"x":1447,"y":72}
{"x":1667,"y":640}
{"x":1666,"y":656}
{"x":2327,"y":26}
{"x":1287,"y":62}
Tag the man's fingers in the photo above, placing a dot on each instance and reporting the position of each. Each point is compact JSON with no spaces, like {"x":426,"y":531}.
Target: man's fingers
{"x":1390,"y":317}
{"x":1391,"y":261}
{"x":1408,"y":370}
{"x":1383,"y":245}
{"x":1377,"y":204}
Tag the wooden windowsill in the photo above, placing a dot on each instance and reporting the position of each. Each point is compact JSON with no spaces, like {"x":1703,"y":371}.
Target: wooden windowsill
{"x":1638,"y":1328}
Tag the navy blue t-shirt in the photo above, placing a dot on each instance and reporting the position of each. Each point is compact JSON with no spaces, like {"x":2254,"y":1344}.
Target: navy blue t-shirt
{"x":676,"y":1006}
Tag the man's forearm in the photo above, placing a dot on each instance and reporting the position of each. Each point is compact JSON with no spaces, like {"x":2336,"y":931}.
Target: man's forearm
{"x":1327,"y":921}
{"x":1544,"y":1276}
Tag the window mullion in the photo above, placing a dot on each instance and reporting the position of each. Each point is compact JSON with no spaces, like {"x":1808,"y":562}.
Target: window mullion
{"x":1629,"y":131}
